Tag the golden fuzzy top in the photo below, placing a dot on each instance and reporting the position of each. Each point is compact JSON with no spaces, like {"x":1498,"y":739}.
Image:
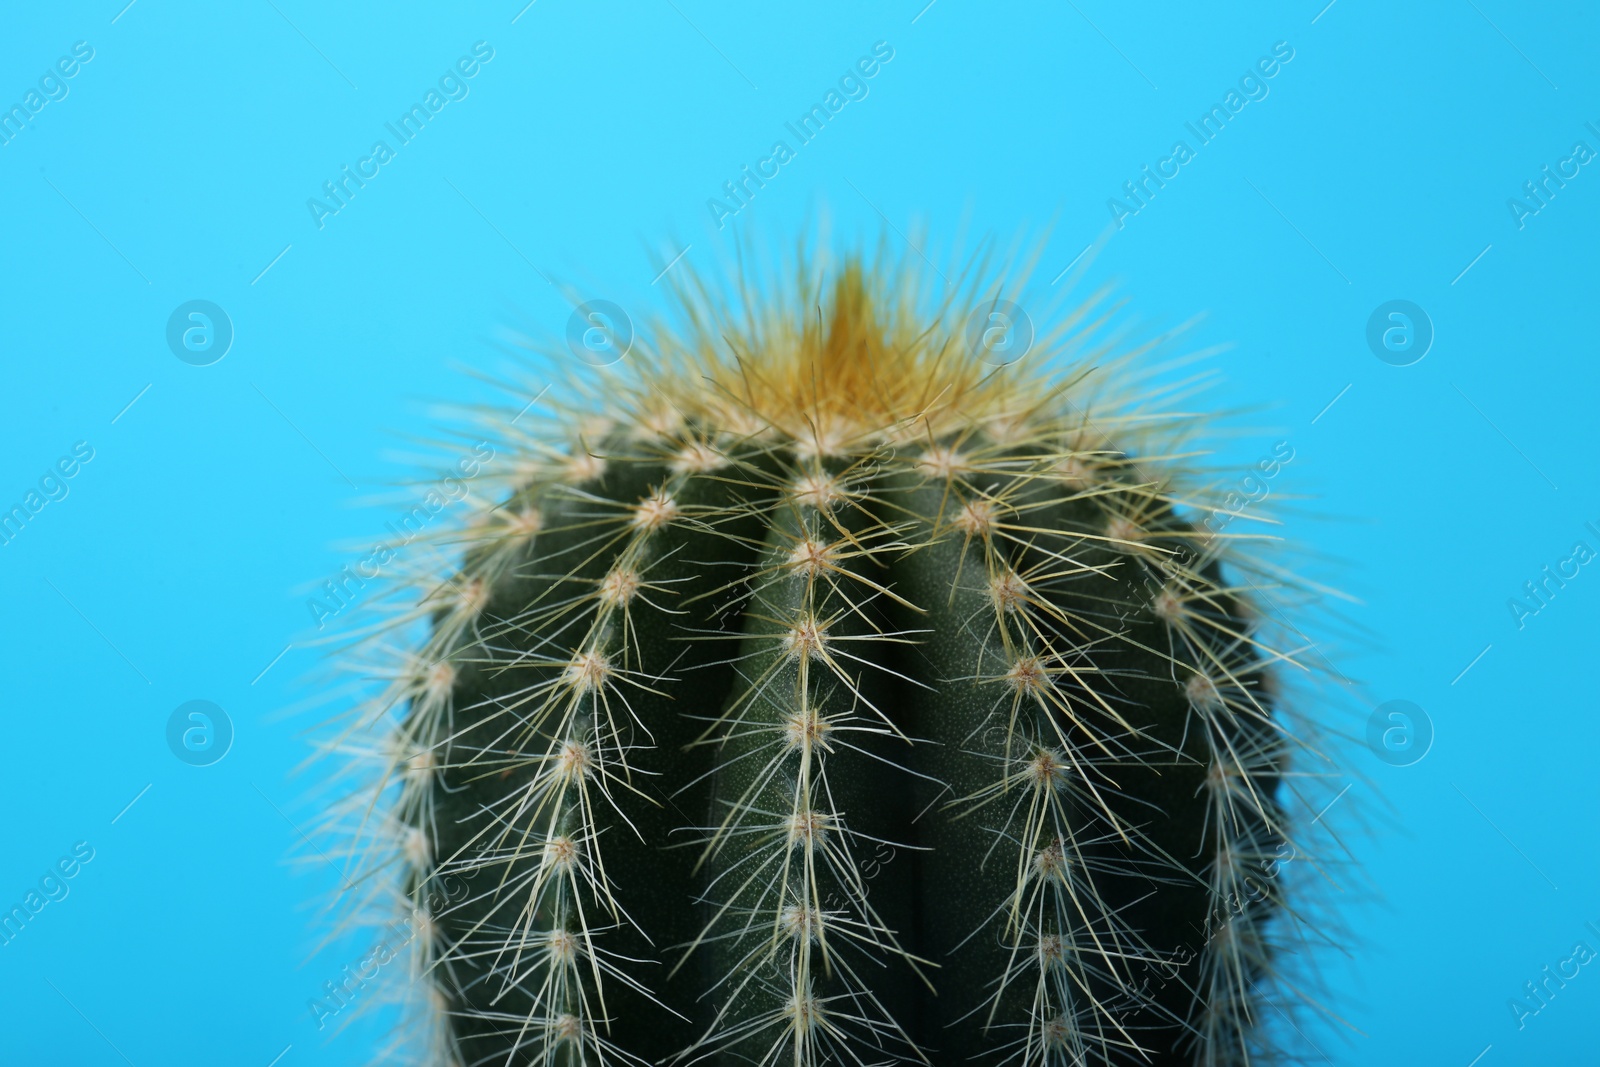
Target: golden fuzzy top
{"x":843,"y":364}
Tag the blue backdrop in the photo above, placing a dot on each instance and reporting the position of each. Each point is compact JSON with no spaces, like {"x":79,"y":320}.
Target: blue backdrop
{"x":177,"y":508}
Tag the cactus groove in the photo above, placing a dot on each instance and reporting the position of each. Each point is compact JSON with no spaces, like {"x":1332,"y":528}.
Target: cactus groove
{"x":834,"y":698}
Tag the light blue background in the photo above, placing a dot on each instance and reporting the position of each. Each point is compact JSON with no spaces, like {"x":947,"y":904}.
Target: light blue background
{"x":179,"y":165}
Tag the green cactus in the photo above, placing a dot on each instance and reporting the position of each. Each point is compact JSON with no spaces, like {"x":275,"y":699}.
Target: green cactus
{"x":820,"y":692}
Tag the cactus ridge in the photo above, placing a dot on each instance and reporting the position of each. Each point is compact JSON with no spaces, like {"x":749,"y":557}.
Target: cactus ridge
{"x":836,"y":698}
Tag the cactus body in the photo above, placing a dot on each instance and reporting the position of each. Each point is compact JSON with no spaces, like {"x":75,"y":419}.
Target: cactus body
{"x":843,"y":700}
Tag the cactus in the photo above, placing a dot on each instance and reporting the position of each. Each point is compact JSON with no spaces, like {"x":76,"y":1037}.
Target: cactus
{"x":818,"y":692}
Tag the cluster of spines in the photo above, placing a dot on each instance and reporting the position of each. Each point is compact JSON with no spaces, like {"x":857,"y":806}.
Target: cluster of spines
{"x":791,"y":923}
{"x":569,"y":662}
{"x":1050,"y":935}
{"x":533,"y":677}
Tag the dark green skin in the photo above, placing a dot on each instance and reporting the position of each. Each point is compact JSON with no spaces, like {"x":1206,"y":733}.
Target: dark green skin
{"x":1060,"y":533}
{"x":939,"y":890}
{"x":574,"y":550}
{"x":873,"y":805}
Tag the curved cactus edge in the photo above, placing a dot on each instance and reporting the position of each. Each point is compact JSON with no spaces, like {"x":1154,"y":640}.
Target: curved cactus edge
{"x":533,"y":432}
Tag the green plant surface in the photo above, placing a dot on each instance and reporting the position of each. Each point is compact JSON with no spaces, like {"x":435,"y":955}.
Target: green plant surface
{"x":820,"y":693}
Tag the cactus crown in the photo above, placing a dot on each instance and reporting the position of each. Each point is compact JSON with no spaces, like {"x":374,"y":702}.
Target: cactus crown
{"x":820,"y":693}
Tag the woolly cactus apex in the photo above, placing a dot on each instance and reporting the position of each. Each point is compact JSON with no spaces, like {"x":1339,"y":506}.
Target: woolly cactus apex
{"x":841,"y":698}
